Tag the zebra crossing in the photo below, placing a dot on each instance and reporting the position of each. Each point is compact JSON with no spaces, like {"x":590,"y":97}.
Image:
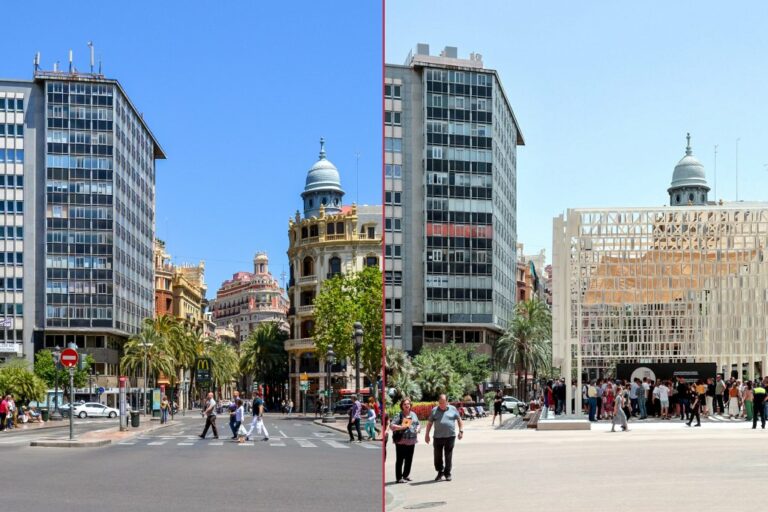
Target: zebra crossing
{"x":319,"y":440}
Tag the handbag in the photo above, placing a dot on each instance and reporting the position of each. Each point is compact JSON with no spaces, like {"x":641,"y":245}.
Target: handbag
{"x":397,"y":435}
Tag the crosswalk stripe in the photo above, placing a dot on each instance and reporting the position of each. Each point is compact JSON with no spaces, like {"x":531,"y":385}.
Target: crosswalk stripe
{"x":276,"y":444}
{"x":184,"y":444}
{"x":335,"y":444}
{"x":156,"y":443}
{"x":306,"y":444}
{"x":126,"y":444}
{"x":216,"y":443}
{"x":371,"y":446}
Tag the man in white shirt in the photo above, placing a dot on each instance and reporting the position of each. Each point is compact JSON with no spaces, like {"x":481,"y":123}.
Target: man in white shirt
{"x":210,"y":417}
{"x":662,"y":393}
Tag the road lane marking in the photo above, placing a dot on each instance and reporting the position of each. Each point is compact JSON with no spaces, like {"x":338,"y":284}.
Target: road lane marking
{"x":306,"y":444}
{"x":156,"y":443}
{"x":184,"y":444}
{"x":371,"y":446}
{"x":282,"y":433}
{"x":126,"y":444}
{"x":276,"y":444}
{"x":335,"y":444}
{"x":216,"y":443}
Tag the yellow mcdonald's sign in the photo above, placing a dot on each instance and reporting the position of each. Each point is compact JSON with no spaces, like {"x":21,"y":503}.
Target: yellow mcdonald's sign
{"x":203,"y":364}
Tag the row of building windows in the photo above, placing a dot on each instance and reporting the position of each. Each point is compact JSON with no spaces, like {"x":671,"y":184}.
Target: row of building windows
{"x":12,"y":156}
{"x":453,"y":114}
{"x":80,"y":187}
{"x":469,"y":269}
{"x":11,"y":335}
{"x":392,"y":198}
{"x":393,"y":277}
{"x":81,"y":113}
{"x":85,"y":287}
{"x":78,"y":312}
{"x":11,"y":283}
{"x":12,"y":130}
{"x":395,"y":224}
{"x":78,"y":162}
{"x":97,"y":262}
{"x":394,"y":118}
{"x":79,"y":137}
{"x":11,"y":233}
{"x":458,"y":77}
{"x":458,"y":102}
{"x":11,"y":258}
{"x":393,"y":91}
{"x":11,"y":181}
{"x":79,"y":237}
{"x":12,"y":309}
{"x":12,"y":104}
{"x":453,"y":128}
{"x":393,"y":170}
{"x":393,"y":144}
{"x":393,"y":304}
{"x":11,"y":206}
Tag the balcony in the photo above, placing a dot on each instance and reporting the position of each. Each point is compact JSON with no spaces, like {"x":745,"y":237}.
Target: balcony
{"x":308,"y":279}
{"x":306,"y":309}
{"x":299,"y":344}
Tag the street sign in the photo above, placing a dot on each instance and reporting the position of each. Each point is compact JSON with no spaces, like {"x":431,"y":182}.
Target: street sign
{"x":69,"y":358}
{"x":304,"y":377}
{"x":100,"y":390}
{"x":203,"y":371}
{"x":6,"y":322}
{"x":304,"y":385}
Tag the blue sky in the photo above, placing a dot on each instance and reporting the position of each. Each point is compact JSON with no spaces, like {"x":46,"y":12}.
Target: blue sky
{"x":606,"y":91}
{"x":238,"y":94}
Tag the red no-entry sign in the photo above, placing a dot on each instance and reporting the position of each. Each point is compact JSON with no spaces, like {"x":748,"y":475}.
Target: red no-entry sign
{"x":69,"y":357}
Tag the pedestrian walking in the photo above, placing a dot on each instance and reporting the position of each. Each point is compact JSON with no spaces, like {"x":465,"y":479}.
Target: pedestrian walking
{"x":497,"y":400}
{"x":759,"y":404}
{"x":233,"y":413}
{"x":719,"y":390}
{"x":319,"y":407}
{"x":370,"y":423}
{"x":354,"y":420}
{"x":749,"y":396}
{"x":444,"y":417}
{"x":710,"y":397}
{"x":290,"y":407}
{"x":405,"y":429}
{"x":11,"y":419}
{"x":3,"y":412}
{"x":239,"y":414}
{"x":592,"y":395}
{"x":210,"y":417}
{"x":683,"y":393}
{"x":733,"y":400}
{"x":695,"y":408}
{"x":620,"y":417}
{"x":164,"y":407}
{"x":258,"y":418}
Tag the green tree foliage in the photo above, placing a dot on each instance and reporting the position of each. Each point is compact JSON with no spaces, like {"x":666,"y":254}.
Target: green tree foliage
{"x":400,"y":379}
{"x":342,"y":301}
{"x":262,"y":354}
{"x":224,"y":363}
{"x":16,"y":379}
{"x":149,"y":346}
{"x":526,"y":347}
{"x":45,"y":369}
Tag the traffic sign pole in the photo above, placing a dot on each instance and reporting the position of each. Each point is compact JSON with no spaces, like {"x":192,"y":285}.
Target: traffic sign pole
{"x":71,"y":401}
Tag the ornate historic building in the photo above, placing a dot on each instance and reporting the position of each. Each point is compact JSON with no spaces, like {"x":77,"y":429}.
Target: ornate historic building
{"x":179,"y":289}
{"x":328,"y":239}
{"x":687,"y":283}
{"x":246,"y":300}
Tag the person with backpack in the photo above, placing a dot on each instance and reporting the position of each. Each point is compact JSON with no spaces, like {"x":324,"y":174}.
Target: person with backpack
{"x":405,"y":429}
{"x":258,"y":418}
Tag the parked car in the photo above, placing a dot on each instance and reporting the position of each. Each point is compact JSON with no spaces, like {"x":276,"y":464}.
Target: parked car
{"x":93,"y":409}
{"x":513,"y":405}
{"x":343,"y":406}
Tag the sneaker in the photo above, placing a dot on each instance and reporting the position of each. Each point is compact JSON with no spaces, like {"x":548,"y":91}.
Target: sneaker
{"x":215,"y":437}
{"x":406,"y":479}
{"x":448,"y":477}
{"x":247,"y":438}
{"x":439,"y":476}
{"x":265,"y":439}
{"x":401,"y":481}
{"x":201,"y":436}
{"x":697,"y":425}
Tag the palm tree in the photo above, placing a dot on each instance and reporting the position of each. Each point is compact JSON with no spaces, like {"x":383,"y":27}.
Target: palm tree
{"x":147,"y":346}
{"x":224,"y":363}
{"x":526,"y":346}
{"x":180,"y":345}
{"x":263,"y":356}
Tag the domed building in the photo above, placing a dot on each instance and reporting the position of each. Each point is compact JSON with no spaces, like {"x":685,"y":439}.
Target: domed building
{"x":329,"y":239}
{"x":689,"y":184}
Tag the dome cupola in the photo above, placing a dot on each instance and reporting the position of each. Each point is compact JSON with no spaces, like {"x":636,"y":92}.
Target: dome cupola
{"x":689,"y":183}
{"x":323,"y":187}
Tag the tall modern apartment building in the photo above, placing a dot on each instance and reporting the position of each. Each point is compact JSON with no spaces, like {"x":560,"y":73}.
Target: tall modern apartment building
{"x":450,"y":151}
{"x":77,"y":181}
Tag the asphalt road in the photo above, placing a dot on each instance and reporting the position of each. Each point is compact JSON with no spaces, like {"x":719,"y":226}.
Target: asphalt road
{"x":19,"y":437}
{"x":302,"y":466}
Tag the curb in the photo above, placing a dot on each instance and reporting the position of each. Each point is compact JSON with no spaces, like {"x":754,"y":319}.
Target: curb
{"x":71,"y":444}
{"x":343,"y":430}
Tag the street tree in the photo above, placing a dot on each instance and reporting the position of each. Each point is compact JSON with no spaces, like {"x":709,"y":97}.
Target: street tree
{"x":526,"y":346}
{"x":263,"y":357}
{"x":342,"y":301}
{"x":45,"y":368}
{"x":18,"y":380}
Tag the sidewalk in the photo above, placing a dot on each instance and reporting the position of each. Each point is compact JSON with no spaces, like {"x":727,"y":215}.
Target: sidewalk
{"x":341,"y":426}
{"x":101,"y":437}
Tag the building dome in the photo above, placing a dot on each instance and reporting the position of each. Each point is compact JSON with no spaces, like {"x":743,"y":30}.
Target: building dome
{"x":689,"y":183}
{"x":323,"y":175}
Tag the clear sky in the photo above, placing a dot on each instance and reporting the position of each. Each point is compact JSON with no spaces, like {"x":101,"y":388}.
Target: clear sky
{"x":605,"y":92}
{"x":238,"y":95}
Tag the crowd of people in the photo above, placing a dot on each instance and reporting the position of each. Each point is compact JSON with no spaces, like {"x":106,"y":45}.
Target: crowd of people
{"x":11,"y":416}
{"x":620,"y":400}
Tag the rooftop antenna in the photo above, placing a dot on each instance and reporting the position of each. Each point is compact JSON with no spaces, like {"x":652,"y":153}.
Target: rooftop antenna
{"x":90,"y":45}
{"x":100,"y":66}
{"x":715,"y":172}
{"x":70,"y":61}
{"x":56,"y":67}
{"x":737,"y":168}
{"x":37,"y":61}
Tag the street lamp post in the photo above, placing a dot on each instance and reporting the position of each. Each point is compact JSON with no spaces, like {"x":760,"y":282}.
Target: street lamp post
{"x":56,"y":415}
{"x":329,"y":358}
{"x":146,"y":346}
{"x":358,"y":336}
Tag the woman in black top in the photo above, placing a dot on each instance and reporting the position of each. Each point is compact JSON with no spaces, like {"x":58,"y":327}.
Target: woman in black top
{"x":497,"y":407}
{"x":695,"y":407}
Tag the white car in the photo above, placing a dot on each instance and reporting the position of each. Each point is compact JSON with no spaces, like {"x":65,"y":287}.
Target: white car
{"x":93,"y":409}
{"x":513,"y":405}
